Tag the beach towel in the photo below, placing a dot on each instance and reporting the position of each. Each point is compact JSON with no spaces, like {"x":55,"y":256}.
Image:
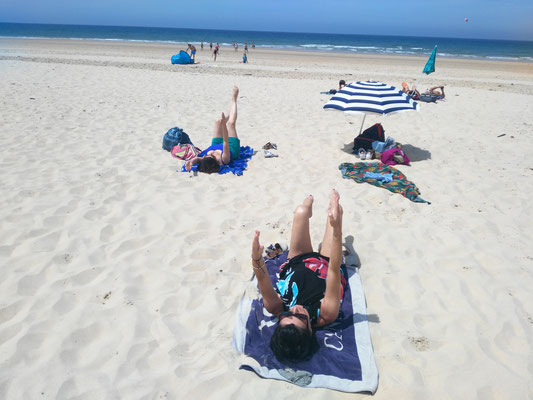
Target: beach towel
{"x":235,"y":166}
{"x":345,"y":359}
{"x":399,"y":184}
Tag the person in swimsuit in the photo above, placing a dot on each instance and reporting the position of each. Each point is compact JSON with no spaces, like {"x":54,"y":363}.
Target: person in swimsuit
{"x":192,"y":48}
{"x":225,"y":145}
{"x":342,"y":84}
{"x":435,"y":90}
{"x":310,"y":286}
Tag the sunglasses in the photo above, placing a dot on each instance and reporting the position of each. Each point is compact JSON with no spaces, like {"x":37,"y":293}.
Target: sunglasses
{"x":300,"y":316}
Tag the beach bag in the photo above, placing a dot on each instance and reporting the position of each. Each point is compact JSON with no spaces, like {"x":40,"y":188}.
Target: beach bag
{"x":175,"y":136}
{"x":185,"y":151}
{"x":369,"y":135}
{"x":428,"y":98}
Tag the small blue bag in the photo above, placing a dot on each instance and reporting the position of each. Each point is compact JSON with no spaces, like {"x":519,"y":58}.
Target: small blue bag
{"x":175,"y":136}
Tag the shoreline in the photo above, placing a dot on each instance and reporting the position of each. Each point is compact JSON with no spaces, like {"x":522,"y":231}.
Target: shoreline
{"x":527,"y":60}
{"x":508,"y":76}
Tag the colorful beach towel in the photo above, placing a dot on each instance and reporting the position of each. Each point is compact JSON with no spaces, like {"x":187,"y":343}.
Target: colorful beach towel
{"x":399,"y":184}
{"x":345,"y":359}
{"x":235,"y":166}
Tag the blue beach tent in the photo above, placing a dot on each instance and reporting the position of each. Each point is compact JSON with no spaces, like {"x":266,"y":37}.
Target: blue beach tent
{"x":181,"y":58}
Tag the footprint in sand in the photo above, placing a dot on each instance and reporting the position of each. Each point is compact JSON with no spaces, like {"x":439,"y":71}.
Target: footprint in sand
{"x":421,"y":343}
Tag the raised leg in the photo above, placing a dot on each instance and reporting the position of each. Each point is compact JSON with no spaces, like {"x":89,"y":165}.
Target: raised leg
{"x":217,"y":131}
{"x":232,"y":119}
{"x":332,"y":241}
{"x":300,"y":237}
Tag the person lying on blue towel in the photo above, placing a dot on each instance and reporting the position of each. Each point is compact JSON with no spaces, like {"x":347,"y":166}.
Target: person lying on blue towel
{"x":225,"y":145}
{"x":310,"y":287}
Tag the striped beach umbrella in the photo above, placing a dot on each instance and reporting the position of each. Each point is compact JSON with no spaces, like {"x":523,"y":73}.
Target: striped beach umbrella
{"x":371,"y":97}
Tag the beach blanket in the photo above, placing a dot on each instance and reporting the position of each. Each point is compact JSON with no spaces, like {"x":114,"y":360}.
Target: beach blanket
{"x":345,"y":359}
{"x":399,"y":184}
{"x":235,"y":166}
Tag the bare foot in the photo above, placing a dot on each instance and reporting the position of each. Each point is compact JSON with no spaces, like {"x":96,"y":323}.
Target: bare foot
{"x":308,"y":202}
{"x":335,"y":210}
{"x":235,"y":93}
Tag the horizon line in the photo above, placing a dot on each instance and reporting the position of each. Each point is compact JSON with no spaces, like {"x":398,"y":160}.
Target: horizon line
{"x":265,"y":31}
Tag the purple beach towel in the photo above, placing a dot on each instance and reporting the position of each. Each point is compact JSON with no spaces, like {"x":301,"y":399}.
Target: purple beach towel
{"x":345,"y":359}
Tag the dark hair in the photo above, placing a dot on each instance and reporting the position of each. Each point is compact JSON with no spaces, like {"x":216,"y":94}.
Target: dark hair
{"x":208,"y":165}
{"x":293,"y":344}
{"x":341,"y":82}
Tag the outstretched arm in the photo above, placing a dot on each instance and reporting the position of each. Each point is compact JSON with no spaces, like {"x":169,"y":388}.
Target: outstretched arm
{"x":271,"y":299}
{"x":190,"y":163}
{"x":226,"y":154}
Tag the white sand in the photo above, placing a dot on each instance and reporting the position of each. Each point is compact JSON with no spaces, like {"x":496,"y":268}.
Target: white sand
{"x":121,"y":277}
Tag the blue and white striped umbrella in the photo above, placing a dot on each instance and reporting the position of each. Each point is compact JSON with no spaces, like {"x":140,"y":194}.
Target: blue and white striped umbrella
{"x":371,"y":97}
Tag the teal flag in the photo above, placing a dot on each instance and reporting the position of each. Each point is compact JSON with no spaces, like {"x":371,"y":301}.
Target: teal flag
{"x":430,"y":65}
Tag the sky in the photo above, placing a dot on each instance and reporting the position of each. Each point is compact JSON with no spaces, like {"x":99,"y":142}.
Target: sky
{"x":487,"y":19}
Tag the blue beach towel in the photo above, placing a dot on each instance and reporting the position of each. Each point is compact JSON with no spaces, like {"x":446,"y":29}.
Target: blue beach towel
{"x":235,"y":166}
{"x":345,"y":359}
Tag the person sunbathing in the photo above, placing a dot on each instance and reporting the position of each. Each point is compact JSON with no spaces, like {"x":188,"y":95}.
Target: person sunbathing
{"x":342,"y":84}
{"x":225,"y":145}
{"x":310,"y":286}
{"x":435,"y":90}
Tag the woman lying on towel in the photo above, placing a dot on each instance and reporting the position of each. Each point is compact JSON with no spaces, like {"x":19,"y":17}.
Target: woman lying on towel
{"x":310,"y":287}
{"x":225,"y":145}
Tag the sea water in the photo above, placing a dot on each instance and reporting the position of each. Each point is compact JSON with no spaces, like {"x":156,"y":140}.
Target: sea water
{"x":359,"y":44}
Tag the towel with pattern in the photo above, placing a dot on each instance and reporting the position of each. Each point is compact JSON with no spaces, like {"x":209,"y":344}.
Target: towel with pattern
{"x":399,"y":184}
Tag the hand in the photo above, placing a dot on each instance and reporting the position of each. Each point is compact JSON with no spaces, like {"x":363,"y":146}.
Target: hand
{"x":257,"y":249}
{"x":188,"y":165}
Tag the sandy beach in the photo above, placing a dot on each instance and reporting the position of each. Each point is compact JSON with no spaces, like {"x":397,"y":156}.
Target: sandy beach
{"x":121,"y":275}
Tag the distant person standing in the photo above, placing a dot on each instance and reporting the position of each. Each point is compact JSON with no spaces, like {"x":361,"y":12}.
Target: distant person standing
{"x":215,"y":52}
{"x":253,"y":45}
{"x":244,"y":58}
{"x":202,"y":46}
{"x":246,"y":47}
{"x":193,"y":51}
{"x":210,"y":45}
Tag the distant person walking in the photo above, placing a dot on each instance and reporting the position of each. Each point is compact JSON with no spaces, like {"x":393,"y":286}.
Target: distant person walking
{"x":210,"y":45}
{"x":201,"y":45}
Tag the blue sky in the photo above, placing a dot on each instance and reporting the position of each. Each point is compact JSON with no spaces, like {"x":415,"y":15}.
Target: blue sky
{"x":490,"y":19}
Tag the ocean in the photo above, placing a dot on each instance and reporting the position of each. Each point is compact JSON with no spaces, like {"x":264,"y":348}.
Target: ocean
{"x":361,"y":44}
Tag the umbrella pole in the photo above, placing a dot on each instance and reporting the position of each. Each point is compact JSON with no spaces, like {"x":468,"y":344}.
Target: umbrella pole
{"x":416,"y":83}
{"x":362,"y":123}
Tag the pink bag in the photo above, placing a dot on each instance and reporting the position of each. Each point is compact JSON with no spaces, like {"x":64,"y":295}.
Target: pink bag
{"x":185,"y":151}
